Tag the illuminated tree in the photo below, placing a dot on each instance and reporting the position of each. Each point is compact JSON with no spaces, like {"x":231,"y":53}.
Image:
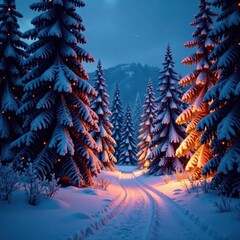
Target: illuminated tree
{"x":137,"y":112}
{"x":222,"y":125}
{"x":103,"y":137}
{"x":199,"y":80}
{"x":148,"y":116}
{"x":117,"y":120}
{"x":12,"y":54}
{"x":167,"y":135}
{"x":128,"y":146}
{"x":56,"y":96}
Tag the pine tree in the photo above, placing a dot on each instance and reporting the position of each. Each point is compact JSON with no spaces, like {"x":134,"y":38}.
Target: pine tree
{"x":167,"y":135}
{"x":199,"y":80}
{"x":117,"y":120}
{"x":56,"y":96}
{"x":12,"y":54}
{"x":222,"y":125}
{"x":137,"y":112}
{"x":104,"y":136}
{"x":128,"y":146}
{"x":148,"y":116}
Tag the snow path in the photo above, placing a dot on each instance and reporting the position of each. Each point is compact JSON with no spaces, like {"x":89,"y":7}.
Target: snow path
{"x":141,"y":213}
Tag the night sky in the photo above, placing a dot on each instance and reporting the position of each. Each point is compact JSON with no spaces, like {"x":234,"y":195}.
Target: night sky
{"x":126,"y":31}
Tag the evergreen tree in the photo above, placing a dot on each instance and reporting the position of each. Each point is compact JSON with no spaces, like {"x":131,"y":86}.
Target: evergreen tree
{"x":222,"y":125}
{"x":148,"y":116}
{"x":12,"y":54}
{"x":167,"y":135}
{"x":117,"y":119}
{"x":56,"y":96}
{"x":104,"y":136}
{"x":199,"y":80}
{"x":128,"y":146}
{"x":137,"y":112}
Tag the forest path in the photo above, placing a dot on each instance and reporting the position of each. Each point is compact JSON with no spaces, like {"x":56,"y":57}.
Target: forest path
{"x":146,"y":215}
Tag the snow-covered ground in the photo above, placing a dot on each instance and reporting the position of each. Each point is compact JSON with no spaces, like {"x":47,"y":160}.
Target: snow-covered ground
{"x":134,"y":206}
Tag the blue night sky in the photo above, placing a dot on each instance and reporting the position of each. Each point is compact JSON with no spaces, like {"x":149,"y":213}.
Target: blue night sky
{"x":126,"y":31}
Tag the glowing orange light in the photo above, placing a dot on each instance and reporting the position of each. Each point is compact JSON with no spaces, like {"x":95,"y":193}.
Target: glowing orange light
{"x":239,"y":4}
{"x":59,"y":160}
{"x":74,"y":83}
{"x":23,"y":158}
{"x":9,"y":9}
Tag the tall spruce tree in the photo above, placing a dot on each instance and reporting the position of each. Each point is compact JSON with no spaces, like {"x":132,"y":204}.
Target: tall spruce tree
{"x":56,"y":96}
{"x":199,"y":80}
{"x":117,"y":120}
{"x":148,"y":116}
{"x":128,"y":146}
{"x":167,"y":135}
{"x":12,"y":55}
{"x":222,"y":125}
{"x":103,"y":137}
{"x":137,"y":112}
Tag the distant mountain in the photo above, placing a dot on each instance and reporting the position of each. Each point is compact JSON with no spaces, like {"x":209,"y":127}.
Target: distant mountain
{"x":132,"y":78}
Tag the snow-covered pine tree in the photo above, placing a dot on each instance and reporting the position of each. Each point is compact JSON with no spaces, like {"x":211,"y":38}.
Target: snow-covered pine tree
{"x":103,"y":137}
{"x":137,"y":112}
{"x":222,"y":125}
{"x":199,"y":81}
{"x":12,"y":54}
{"x":117,"y":120}
{"x":56,"y":96}
{"x":167,"y":135}
{"x":128,"y":146}
{"x":148,"y":116}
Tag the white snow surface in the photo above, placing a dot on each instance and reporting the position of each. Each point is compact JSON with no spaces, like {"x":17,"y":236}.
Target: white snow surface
{"x":135,"y":206}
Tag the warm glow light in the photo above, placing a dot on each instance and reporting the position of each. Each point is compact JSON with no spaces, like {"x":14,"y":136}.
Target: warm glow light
{"x":9,"y":9}
{"x":23,"y":158}
{"x":9,"y":118}
{"x":44,"y":143}
{"x":33,"y":95}
{"x":74,"y":83}
{"x":49,"y":86}
{"x":239,"y":4}
{"x":59,"y":160}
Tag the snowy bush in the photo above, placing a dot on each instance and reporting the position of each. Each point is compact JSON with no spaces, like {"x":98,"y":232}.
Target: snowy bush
{"x":224,"y":205}
{"x":166,"y":179}
{"x":184,"y":184}
{"x":103,"y":183}
{"x":51,"y":186}
{"x":192,"y":182}
{"x":204,"y":184}
{"x":34,"y":187}
{"x":9,"y":181}
{"x":180,"y":175}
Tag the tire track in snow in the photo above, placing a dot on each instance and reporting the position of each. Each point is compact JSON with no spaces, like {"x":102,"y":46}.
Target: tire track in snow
{"x":135,"y":219}
{"x":106,"y":214}
{"x":193,"y":227}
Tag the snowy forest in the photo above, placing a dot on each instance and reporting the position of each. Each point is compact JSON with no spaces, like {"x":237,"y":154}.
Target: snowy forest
{"x":58,"y":128}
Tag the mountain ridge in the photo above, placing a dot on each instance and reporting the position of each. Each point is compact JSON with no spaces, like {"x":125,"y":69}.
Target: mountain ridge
{"x":132,"y":78}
